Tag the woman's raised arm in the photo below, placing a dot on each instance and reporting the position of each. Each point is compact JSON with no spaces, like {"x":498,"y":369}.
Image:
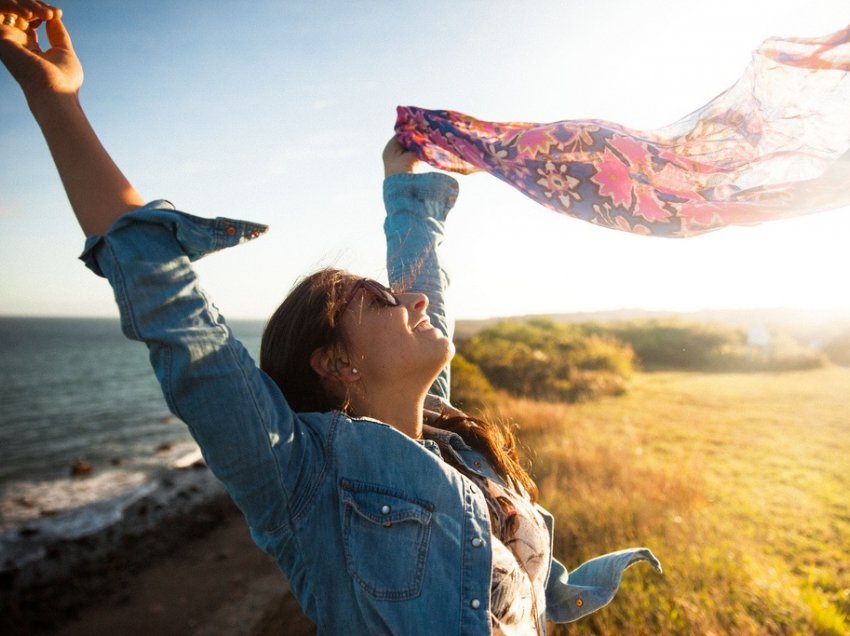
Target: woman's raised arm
{"x":98,"y":191}
{"x":417,"y":206}
{"x":251,"y":439}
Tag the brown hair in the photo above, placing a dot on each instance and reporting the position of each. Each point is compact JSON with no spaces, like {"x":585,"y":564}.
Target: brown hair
{"x":305,"y":321}
{"x":308,"y":319}
{"x":497,"y":442}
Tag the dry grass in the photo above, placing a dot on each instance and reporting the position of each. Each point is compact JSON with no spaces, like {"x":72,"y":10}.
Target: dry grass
{"x":739,"y":483}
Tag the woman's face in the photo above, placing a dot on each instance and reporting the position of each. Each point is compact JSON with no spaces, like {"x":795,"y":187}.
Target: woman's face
{"x":394,"y":344}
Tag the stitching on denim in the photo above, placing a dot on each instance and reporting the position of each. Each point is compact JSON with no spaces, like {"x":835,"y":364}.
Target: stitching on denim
{"x":124,"y":307}
{"x":355,"y":485}
{"x":328,"y":454}
{"x":422,"y":544}
{"x":230,"y":348}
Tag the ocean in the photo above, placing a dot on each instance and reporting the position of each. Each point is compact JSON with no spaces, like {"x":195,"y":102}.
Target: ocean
{"x":76,"y":390}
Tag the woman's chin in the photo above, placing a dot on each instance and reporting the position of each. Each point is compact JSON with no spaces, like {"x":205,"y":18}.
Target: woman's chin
{"x":451,"y":351}
{"x":448,"y":352}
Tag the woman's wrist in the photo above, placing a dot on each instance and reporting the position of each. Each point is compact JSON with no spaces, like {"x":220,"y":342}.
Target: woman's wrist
{"x":49,"y":107}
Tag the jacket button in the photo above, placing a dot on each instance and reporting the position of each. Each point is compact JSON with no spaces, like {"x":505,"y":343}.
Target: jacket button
{"x":475,"y":603}
{"x":476,"y":542}
{"x":579,"y":602}
{"x":230,"y":229}
{"x":385,"y":509}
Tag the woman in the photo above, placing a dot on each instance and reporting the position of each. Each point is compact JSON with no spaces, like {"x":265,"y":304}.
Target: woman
{"x":381,"y":523}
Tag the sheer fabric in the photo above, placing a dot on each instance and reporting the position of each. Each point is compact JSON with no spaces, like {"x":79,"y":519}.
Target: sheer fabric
{"x":776,"y":144}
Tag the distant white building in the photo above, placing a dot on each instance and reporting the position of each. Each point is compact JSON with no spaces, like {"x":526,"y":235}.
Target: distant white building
{"x":758,"y":336}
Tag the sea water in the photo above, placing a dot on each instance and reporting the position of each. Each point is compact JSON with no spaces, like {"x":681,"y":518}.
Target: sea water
{"x":77,"y":389}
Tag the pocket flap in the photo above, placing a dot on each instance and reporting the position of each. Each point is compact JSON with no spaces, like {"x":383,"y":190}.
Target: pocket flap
{"x":383,"y":505}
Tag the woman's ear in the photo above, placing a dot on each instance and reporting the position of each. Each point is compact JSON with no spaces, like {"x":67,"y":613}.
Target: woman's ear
{"x":330,"y":365}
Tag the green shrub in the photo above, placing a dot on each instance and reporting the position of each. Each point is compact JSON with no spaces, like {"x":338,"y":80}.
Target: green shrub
{"x":673,"y":344}
{"x":470,"y":387}
{"x":544,"y":360}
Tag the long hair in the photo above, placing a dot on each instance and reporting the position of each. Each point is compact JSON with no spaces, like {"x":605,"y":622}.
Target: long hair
{"x":308,"y":319}
{"x":497,"y":442}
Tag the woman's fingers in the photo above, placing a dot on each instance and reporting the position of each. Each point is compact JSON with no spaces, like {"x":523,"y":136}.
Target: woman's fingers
{"x":44,"y":11}
{"x":40,"y":73}
{"x":8,"y":19}
{"x":16,"y":30}
{"x":10,"y":33}
{"x":58,"y":36}
{"x":29,"y":10}
{"x":24,"y":16}
{"x":398,"y":159}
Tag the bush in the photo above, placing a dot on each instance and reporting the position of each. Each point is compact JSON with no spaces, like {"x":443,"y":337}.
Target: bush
{"x":838,"y":349}
{"x":470,"y":388}
{"x":544,"y":360}
{"x":674,"y":344}
{"x":702,"y":347}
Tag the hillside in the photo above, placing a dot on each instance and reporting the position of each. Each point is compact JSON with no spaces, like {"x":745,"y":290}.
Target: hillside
{"x":811,"y":328}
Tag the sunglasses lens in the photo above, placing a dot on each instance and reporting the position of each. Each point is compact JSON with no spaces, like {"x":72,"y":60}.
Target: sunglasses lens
{"x":391,"y":299}
{"x":382,"y":293}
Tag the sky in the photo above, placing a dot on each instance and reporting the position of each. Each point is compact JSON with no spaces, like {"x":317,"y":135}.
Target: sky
{"x":277,"y":112}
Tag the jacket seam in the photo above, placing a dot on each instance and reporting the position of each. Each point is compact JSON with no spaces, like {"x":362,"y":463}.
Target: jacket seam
{"x":296,"y":515}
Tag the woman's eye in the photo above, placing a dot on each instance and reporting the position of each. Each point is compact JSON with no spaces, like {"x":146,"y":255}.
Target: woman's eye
{"x":377,"y":302}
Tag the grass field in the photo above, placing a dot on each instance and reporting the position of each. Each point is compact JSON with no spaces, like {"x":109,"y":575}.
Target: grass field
{"x":740,"y":483}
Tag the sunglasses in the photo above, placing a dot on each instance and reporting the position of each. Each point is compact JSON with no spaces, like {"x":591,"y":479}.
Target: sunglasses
{"x":384,"y":295}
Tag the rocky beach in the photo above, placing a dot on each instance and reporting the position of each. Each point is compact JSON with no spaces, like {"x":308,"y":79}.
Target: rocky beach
{"x":175,"y":559}
{"x":110,"y":523}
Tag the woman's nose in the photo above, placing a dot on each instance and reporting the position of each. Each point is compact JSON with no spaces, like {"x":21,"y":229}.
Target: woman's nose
{"x":416,"y":301}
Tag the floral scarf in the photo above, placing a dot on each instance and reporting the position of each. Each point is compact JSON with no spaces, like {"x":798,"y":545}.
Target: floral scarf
{"x":774,"y":145}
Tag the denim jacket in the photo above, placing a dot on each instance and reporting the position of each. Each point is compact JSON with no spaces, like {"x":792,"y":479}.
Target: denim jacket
{"x":374,"y":530}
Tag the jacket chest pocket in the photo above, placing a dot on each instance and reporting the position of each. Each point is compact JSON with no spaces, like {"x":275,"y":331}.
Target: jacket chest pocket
{"x":385,"y":534}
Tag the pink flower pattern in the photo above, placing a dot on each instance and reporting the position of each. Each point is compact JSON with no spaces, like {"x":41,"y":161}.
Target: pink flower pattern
{"x":612,"y":177}
{"x":743,"y":158}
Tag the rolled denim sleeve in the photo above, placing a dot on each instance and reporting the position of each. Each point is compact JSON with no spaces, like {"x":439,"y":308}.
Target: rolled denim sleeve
{"x":417,"y":206}
{"x":235,"y":412}
{"x":592,"y":585}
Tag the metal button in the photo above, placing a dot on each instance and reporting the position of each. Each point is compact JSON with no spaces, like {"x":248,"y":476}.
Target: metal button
{"x":475,"y":603}
{"x":385,"y":509}
{"x":579,"y":602}
{"x":477,"y":464}
{"x":230,"y":229}
{"x":255,"y":233}
{"x":477,"y":542}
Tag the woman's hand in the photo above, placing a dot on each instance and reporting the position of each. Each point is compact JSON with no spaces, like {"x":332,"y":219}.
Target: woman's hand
{"x":54,"y":71}
{"x":98,"y":191}
{"x":23,"y":12}
{"x":397,"y":159}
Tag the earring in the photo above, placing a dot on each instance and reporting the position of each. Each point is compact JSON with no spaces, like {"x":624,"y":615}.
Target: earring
{"x":354,"y":370}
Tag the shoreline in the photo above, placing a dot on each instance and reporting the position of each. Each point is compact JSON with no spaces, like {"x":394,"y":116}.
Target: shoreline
{"x":183,"y":526}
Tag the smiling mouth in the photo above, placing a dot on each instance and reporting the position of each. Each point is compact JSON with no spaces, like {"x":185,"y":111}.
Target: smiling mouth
{"x":424,"y":324}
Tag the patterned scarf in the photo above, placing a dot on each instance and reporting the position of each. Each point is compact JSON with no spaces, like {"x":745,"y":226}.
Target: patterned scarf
{"x":774,"y":145}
